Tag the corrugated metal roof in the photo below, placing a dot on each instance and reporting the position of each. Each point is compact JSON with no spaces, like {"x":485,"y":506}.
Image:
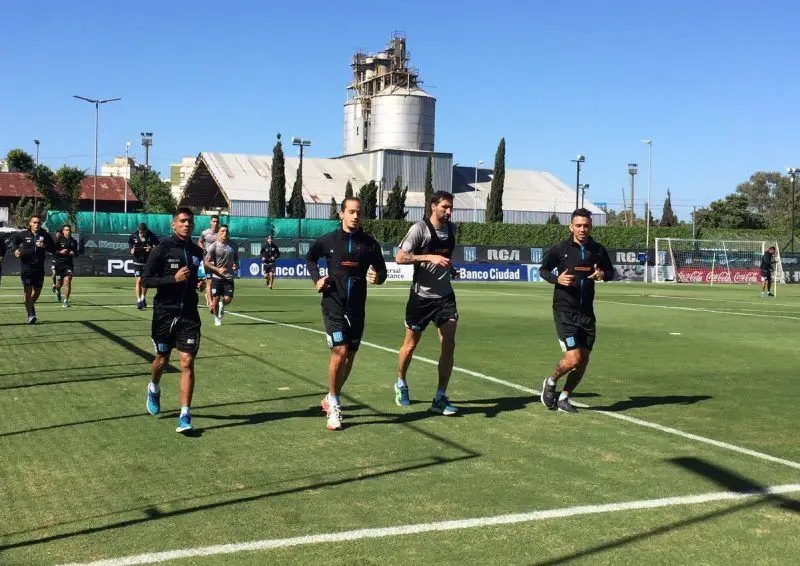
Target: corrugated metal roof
{"x":108,"y":188}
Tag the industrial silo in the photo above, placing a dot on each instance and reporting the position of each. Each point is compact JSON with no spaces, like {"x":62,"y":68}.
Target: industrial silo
{"x":402,"y":118}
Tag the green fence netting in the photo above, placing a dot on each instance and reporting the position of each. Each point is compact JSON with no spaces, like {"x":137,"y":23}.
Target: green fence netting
{"x":161,"y":224}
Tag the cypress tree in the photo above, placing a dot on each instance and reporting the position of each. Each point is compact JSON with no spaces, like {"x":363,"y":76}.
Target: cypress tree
{"x":334,"y":215}
{"x":429,"y":181}
{"x":297,"y":206}
{"x":494,"y":206}
{"x":668,"y":217}
{"x":277,"y":187}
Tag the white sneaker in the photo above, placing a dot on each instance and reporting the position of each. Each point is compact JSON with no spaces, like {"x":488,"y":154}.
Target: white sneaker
{"x":217,"y":321}
{"x":334,"y":414}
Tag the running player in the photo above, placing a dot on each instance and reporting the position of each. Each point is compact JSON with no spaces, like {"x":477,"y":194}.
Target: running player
{"x":208,"y":237}
{"x":428,"y":246}
{"x":63,"y":264}
{"x":573,"y":266}
{"x":3,"y":250}
{"x":172,"y":270}
{"x":766,"y":272}
{"x":354,"y":259}
{"x":269,"y":255}
{"x":141,"y":243}
{"x":31,"y":247}
{"x":222,"y":261}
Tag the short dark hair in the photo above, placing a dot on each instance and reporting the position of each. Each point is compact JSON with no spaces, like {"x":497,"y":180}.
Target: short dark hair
{"x":213,"y":216}
{"x":771,"y":248}
{"x":183,"y":210}
{"x":439,"y":196}
{"x":344,"y":202}
{"x":142,"y":226}
{"x":221,"y":226}
{"x":39,"y":216}
{"x":66,"y":226}
{"x":586,"y":213}
{"x":269,"y":236}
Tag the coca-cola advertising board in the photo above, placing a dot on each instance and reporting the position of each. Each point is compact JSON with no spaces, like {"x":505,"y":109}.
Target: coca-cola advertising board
{"x":691,"y":275}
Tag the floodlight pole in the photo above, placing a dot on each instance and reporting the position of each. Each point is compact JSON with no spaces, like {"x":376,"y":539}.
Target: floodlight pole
{"x":475,"y":192}
{"x":648,"y":213}
{"x":577,"y":161}
{"x":793,"y":171}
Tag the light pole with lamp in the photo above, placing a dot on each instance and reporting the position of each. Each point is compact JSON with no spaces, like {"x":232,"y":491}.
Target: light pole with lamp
{"x":302,"y":144}
{"x":793,"y":172}
{"x":648,"y":212}
{"x":633,"y":169}
{"x":475,"y":192}
{"x":37,"y":151}
{"x":127,"y":173}
{"x":97,"y":104}
{"x":577,"y":161}
{"x":584,"y":188}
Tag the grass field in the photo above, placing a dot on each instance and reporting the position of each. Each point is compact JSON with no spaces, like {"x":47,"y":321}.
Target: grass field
{"x":693,"y":392}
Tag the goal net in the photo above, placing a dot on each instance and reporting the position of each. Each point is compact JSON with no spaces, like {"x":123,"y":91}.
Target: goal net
{"x":713,"y":261}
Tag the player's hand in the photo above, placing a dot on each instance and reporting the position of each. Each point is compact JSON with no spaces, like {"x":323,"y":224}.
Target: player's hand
{"x":148,"y":248}
{"x":597,"y":275}
{"x":131,"y":251}
{"x":17,"y":253}
{"x":71,"y":253}
{"x":566,"y":279}
{"x":440,"y":260}
{"x":372,"y":276}
{"x":182,"y":274}
{"x":322,"y":284}
{"x":455,"y":273}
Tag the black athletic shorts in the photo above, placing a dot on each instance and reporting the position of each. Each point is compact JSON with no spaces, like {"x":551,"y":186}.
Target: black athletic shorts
{"x":170,"y":332}
{"x":138,"y":268}
{"x":62,"y":271}
{"x":343,"y":329}
{"x":421,"y":311}
{"x":766,"y":275}
{"x":32,"y":277}
{"x":222,"y":287}
{"x":574,"y":330}
{"x":269,"y":267}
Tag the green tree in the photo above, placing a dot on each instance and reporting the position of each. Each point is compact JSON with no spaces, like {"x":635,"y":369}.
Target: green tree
{"x":769,"y":193}
{"x":70,"y":179}
{"x":395,"y":208}
{"x":296,"y":208}
{"x":277,"y":187}
{"x":348,"y":190}
{"x":369,"y":199}
{"x":21,"y":211}
{"x":20,"y":161}
{"x":494,"y":206}
{"x":614,"y":218}
{"x":553,"y":220}
{"x":668,"y":217}
{"x":154,"y":194}
{"x":45,"y":180}
{"x":731,"y":212}
{"x":334,"y":215}
{"x":428,"y":181}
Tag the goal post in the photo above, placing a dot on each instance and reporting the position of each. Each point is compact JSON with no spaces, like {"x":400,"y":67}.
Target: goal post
{"x":713,"y":262}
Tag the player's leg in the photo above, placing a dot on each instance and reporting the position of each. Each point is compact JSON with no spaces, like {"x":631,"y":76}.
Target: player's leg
{"x":187,"y":343}
{"x":769,"y":286}
{"x":271,"y":276}
{"x":410,"y":342}
{"x":138,"y":288}
{"x":54,"y":277}
{"x":447,"y":337}
{"x":67,"y":287}
{"x":209,"y":285}
{"x":27,"y":293}
{"x":338,"y":371}
{"x":566,"y":331}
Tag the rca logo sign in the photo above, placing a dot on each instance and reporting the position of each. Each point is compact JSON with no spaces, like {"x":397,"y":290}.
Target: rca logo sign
{"x":627,"y":257}
{"x":502,"y":255}
{"x":116,"y":265}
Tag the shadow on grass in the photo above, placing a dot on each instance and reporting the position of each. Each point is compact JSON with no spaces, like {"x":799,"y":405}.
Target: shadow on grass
{"x":490,"y":408}
{"x":651,"y":401}
{"x":727,"y":479}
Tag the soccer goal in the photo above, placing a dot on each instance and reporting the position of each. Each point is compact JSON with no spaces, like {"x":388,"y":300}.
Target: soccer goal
{"x":713,"y":261}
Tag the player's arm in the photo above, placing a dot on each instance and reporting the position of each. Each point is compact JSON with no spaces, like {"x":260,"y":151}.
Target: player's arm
{"x":378,"y":264}
{"x":49,"y":244}
{"x":153,"y":274}
{"x":414,"y":240}
{"x":209,"y":260}
{"x":549,"y":263}
{"x":315,"y":253}
{"x":263,"y":254}
{"x":605,"y":266}
{"x":235,"y":260}
{"x":276,"y":253}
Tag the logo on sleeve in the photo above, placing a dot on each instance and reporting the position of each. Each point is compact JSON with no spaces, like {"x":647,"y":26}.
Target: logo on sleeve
{"x":570,"y":341}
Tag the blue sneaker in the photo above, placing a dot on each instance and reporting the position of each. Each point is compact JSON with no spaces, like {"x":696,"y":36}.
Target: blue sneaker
{"x":58,"y":295}
{"x":401,"y":398}
{"x":442,"y":406}
{"x":184,"y":423}
{"x":153,"y":402}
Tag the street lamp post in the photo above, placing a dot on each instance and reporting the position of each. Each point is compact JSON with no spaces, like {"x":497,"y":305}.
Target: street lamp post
{"x":584,"y":188}
{"x":37,"y":151}
{"x":649,"y":143}
{"x":302,"y":144}
{"x":633,"y":168}
{"x":475,"y":192}
{"x":147,"y":143}
{"x":793,"y":172}
{"x":97,"y":104}
{"x":127,"y":173}
{"x":577,"y":161}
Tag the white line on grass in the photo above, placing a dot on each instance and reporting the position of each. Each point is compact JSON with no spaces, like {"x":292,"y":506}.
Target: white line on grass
{"x":522,"y":388}
{"x":698,"y":309}
{"x":510,"y":519}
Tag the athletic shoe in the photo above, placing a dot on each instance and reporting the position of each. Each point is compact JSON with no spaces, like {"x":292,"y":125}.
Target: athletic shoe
{"x":144,"y":304}
{"x":139,"y":305}
{"x":32,"y":319}
{"x":66,"y":304}
{"x":53,"y":289}
{"x":58,"y":295}
{"x":770,"y":295}
{"x":153,"y":402}
{"x":566,"y":407}
{"x":184,"y":423}
{"x":334,"y":413}
{"x":401,"y":395}
{"x":442,"y":406}
{"x":217,"y":321}
{"x":548,"y":396}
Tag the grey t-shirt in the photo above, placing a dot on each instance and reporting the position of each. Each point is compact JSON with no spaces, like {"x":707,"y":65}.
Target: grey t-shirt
{"x":433,"y":282}
{"x":222,"y":255}
{"x":207,"y":237}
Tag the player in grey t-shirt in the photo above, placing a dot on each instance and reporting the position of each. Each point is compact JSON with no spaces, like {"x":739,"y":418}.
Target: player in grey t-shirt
{"x":221,"y":261}
{"x":208,"y":237}
{"x":428,"y":246}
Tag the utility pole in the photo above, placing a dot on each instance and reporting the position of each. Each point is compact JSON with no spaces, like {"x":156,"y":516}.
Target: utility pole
{"x":633,"y":168}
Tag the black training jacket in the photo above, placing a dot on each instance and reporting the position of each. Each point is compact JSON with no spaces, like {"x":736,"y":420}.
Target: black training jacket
{"x":766,"y":262}
{"x":137,"y":244}
{"x":31,"y":256}
{"x":63,"y":243}
{"x":568,"y":256}
{"x":170,"y":255}
{"x":270,"y":253}
{"x":349,"y":255}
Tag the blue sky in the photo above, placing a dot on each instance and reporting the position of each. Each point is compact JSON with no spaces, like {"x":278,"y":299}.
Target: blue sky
{"x":714,"y":83}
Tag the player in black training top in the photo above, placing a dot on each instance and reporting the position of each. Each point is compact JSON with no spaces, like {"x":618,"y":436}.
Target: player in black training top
{"x":172,"y":270}
{"x":269,"y":255}
{"x":354,"y":259}
{"x":573,"y":266}
{"x":766,"y":272}
{"x":64,"y":264}
{"x":31,"y":247}
{"x":141,"y":243}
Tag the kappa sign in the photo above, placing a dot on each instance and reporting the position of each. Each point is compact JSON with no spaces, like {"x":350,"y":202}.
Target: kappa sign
{"x":687,"y":275}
